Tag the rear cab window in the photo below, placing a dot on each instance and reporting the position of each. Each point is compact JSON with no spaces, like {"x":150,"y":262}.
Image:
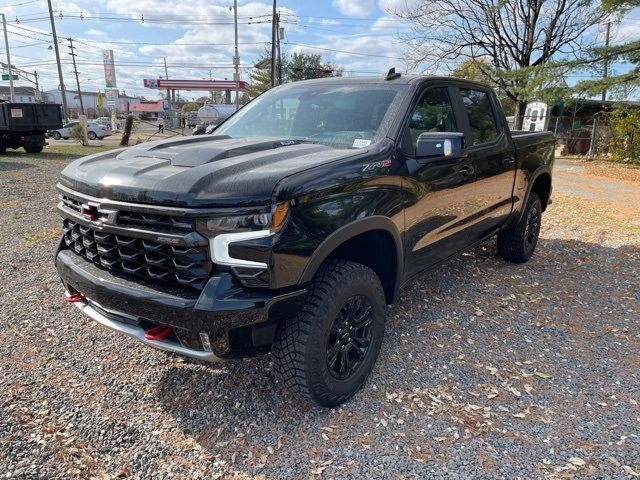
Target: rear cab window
{"x":482,"y":121}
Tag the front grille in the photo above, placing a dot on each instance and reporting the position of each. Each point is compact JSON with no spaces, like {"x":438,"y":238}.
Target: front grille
{"x":144,"y":221}
{"x":71,"y":203}
{"x":140,"y":257}
{"x":156,"y":223}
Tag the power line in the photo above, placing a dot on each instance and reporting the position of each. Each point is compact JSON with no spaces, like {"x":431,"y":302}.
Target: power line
{"x":343,"y":51}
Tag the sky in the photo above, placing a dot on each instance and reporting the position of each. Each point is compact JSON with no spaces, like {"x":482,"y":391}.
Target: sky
{"x":196,"y":37}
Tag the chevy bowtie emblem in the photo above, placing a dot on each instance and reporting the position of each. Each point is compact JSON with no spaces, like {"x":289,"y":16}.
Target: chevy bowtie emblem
{"x":92,"y":212}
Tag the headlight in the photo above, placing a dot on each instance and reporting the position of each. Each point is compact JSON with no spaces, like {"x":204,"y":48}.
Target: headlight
{"x":225,"y":230}
{"x":272,"y":221}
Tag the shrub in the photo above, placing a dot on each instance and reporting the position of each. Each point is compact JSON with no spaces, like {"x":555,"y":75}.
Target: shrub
{"x":77,"y":134}
{"x":625,"y":135}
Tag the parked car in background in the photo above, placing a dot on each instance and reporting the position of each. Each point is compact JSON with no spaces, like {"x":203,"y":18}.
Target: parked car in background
{"x":199,"y":129}
{"x":105,"y":121}
{"x":94,"y":131}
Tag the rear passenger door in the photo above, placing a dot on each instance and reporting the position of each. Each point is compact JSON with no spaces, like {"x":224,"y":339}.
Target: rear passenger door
{"x":493,"y":158}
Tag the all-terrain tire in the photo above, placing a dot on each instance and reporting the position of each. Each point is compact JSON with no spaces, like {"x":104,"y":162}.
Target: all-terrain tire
{"x":33,"y":149}
{"x":518,"y":243}
{"x":305,"y":344}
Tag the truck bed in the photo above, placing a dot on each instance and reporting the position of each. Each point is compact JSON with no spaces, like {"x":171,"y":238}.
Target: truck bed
{"x":29,"y":117}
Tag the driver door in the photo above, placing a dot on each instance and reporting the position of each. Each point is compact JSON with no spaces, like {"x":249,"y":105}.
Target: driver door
{"x":442,"y":190}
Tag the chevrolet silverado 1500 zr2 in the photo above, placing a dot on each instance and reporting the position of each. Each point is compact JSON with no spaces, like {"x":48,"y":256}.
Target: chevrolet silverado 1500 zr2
{"x":292,"y":226}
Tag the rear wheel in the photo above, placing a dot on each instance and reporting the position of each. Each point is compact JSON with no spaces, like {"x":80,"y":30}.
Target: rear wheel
{"x":33,"y":149}
{"x":326,"y":353}
{"x":56,"y":135}
{"x":518,"y":243}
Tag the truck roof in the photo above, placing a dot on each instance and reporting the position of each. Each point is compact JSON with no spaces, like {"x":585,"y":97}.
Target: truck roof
{"x":400,"y":79}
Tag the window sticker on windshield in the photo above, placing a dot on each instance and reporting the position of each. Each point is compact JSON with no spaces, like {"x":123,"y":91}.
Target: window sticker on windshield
{"x":361,"y":143}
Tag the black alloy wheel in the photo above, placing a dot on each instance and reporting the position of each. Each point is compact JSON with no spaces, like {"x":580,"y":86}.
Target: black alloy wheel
{"x":350,"y":337}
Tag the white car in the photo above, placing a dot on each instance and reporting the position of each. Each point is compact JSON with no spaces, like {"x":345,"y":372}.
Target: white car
{"x":94,"y":130}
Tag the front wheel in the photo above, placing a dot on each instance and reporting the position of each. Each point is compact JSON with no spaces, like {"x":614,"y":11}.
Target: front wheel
{"x":326,"y":353}
{"x":56,"y":135}
{"x":92,"y":135}
{"x":517,"y":244}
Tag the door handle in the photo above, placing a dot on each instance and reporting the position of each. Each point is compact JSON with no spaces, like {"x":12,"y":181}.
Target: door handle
{"x":465,"y":172}
{"x":507,"y":162}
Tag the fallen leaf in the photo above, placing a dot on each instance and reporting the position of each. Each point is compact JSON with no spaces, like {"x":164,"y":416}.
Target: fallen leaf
{"x":630,"y":471}
{"x":544,"y":375}
{"x":577,"y":461}
{"x":515,"y":391}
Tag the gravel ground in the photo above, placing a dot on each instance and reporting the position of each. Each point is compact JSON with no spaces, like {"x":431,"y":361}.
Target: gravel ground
{"x":488,"y":370}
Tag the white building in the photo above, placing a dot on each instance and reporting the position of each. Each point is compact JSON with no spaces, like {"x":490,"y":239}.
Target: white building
{"x":22,"y":94}
{"x":90,"y":102}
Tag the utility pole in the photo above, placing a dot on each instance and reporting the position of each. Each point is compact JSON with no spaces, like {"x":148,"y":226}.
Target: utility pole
{"x":211,"y":91}
{"x":166,"y":75}
{"x":6,"y":46}
{"x":274,"y":29}
{"x":279,"y":35}
{"x":605,"y":72}
{"x":65,"y":112}
{"x":236,"y":57}
{"x":35,"y":75}
{"x":75,"y":70}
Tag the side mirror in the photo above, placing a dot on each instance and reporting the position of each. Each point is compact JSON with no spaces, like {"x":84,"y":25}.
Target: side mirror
{"x":440,"y":145}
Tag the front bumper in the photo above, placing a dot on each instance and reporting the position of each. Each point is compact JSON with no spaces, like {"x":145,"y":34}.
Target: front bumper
{"x":237,"y":321}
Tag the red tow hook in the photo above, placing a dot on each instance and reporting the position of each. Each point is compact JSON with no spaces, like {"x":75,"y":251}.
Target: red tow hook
{"x":158,"y":333}
{"x":76,"y":297}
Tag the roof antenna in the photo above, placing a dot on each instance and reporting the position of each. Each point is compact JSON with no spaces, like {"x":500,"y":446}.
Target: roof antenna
{"x":391,"y":74}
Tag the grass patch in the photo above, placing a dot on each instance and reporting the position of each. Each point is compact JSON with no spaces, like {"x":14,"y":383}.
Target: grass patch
{"x":53,"y":234}
{"x":60,"y":152}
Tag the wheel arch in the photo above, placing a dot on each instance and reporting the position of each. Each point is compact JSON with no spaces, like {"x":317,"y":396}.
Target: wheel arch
{"x":540,"y":183}
{"x":542,"y":186}
{"x":364,"y":241}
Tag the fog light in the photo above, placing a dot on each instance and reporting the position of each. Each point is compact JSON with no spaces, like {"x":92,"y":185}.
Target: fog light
{"x":206,"y":344}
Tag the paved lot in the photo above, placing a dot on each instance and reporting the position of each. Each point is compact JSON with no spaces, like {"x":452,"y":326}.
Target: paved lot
{"x":488,"y":370}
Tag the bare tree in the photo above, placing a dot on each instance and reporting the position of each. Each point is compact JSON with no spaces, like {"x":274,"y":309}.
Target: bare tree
{"x":514,"y":41}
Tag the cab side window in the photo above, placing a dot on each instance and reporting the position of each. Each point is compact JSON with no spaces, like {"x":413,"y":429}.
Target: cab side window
{"x":433,"y":113}
{"x":481,"y":118}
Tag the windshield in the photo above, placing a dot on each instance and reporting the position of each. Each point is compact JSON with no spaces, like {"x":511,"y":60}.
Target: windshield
{"x":342,"y":116}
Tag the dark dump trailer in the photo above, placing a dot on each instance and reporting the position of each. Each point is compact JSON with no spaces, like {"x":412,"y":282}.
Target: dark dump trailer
{"x":25,"y":124}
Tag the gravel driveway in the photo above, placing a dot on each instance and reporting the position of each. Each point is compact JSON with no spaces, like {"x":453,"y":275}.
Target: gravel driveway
{"x":488,"y":370}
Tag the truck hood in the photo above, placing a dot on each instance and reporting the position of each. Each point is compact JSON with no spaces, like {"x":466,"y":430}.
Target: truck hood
{"x":196,"y":171}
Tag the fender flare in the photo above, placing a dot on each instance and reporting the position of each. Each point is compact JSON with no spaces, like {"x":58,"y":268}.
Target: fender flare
{"x":349,"y":231}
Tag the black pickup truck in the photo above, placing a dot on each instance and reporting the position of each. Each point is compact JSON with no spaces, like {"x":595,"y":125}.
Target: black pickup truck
{"x":25,"y":124}
{"x":292,"y":226}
